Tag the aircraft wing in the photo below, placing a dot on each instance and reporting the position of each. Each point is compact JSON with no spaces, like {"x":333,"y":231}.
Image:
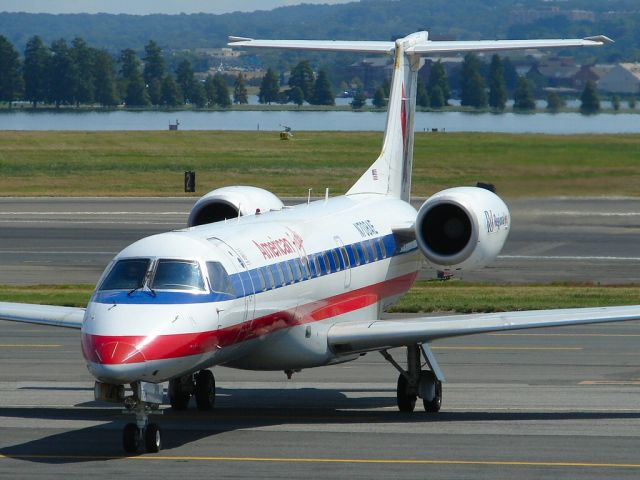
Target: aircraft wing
{"x":327,"y":45}
{"x":352,"y":337}
{"x":68,"y":317}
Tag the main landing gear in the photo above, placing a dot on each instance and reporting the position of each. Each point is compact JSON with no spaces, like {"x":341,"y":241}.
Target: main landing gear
{"x":201,"y":385}
{"x":415,"y":382}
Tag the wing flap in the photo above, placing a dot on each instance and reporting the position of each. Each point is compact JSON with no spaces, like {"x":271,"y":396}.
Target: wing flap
{"x":350,"y":337}
{"x":68,"y":317}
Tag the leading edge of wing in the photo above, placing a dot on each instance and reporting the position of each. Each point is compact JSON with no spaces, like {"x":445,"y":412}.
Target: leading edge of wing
{"x":351,"y":337}
{"x":68,"y":317}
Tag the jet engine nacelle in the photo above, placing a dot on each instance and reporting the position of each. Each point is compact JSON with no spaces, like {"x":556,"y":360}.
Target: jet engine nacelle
{"x":462,"y":228}
{"x":231,"y":202}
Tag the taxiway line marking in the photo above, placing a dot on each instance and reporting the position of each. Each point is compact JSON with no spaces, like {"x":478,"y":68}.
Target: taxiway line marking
{"x":569,"y":257}
{"x":564,"y":334}
{"x":507,"y":348}
{"x":387,"y":461}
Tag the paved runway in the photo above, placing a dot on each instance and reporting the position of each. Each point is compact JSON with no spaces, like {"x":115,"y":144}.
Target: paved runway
{"x":69,"y":240}
{"x":557,"y":403}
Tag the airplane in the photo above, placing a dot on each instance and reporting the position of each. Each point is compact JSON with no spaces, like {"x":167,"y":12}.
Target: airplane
{"x":252,"y":284}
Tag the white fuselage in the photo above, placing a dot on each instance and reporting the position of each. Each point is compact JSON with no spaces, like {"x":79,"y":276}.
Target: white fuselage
{"x":295,"y":272}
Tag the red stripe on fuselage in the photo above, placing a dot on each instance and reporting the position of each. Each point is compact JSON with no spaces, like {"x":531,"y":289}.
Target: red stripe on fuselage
{"x":102,"y":349}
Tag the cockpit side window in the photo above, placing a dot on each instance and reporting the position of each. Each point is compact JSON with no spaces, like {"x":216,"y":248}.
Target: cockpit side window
{"x":219,"y":279}
{"x":177,"y":275}
{"x":126,"y":274}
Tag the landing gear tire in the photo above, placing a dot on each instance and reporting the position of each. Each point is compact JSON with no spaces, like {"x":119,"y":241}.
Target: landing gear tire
{"x":406,"y":399}
{"x":178,"y":398}
{"x":433,"y":405}
{"x":131,"y":438}
{"x":205,"y":391}
{"x":152,"y":438}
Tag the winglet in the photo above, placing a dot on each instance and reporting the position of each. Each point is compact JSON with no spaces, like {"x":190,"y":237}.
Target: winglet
{"x":233,"y":39}
{"x":603,"y":39}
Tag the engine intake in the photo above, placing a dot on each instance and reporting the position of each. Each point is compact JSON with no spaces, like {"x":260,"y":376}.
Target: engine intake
{"x":231,"y":202}
{"x":462,"y":228}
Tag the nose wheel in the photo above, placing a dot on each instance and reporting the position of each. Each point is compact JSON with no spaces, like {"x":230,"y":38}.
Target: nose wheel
{"x":145,"y":400}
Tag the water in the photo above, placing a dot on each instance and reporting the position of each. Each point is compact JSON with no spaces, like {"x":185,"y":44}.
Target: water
{"x":560,"y":123}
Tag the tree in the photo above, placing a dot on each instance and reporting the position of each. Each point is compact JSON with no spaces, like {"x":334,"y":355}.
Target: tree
{"x":510,"y":75}
{"x":186,"y":80}
{"x":632,"y":103}
{"x":323,"y":91}
{"x":437,"y":99}
{"x":554,"y":102}
{"x":222,"y":91}
{"x":36,"y":70}
{"x":615,"y":102}
{"x":302,"y":76}
{"x":359,"y":100}
{"x":105,"y":91}
{"x":10,"y":74}
{"x":240,"y":90}
{"x":199,"y":95}
{"x":63,"y":74}
{"x":132,"y":84}
{"x":497,"y":84}
{"x":154,"y":65}
{"x":83,"y":58}
{"x":590,"y":102}
{"x":211,"y":90}
{"x":438,"y":80}
{"x":422,"y":96}
{"x":296,"y":95}
{"x":154,"y":71}
{"x":473,"y":92}
{"x":523,"y":97}
{"x":170,"y":93}
{"x":379,"y":100}
{"x":269,"y":87}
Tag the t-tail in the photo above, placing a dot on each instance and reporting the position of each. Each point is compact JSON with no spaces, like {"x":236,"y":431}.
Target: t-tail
{"x":390,"y":174}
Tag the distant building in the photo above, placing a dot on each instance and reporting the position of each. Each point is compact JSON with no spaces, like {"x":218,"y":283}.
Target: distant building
{"x":590,"y":72}
{"x":622,"y":78}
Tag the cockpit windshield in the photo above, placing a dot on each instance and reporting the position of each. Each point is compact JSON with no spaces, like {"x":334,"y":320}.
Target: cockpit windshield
{"x":126,"y":274}
{"x":177,"y":275}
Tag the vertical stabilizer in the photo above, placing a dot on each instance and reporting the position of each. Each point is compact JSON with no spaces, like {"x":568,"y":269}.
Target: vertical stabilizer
{"x":390,"y":174}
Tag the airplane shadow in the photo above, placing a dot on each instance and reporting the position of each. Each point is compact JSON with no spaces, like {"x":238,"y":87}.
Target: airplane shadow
{"x":240,"y":409}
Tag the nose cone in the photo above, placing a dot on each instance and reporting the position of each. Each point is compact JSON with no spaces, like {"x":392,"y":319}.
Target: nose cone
{"x":114,"y":360}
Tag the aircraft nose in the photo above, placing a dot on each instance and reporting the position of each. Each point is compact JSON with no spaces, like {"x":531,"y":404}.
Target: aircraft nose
{"x":113,"y":360}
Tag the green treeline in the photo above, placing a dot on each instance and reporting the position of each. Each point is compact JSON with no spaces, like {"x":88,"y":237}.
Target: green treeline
{"x":78,"y":74}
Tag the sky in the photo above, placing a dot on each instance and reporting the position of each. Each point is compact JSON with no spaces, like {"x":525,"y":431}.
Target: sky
{"x":142,"y":7}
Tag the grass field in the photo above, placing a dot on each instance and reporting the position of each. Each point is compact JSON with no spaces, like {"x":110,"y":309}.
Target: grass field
{"x":452,"y":296}
{"x":152,"y":163}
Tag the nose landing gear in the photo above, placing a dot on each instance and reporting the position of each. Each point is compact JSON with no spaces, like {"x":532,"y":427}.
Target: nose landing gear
{"x":145,"y":401}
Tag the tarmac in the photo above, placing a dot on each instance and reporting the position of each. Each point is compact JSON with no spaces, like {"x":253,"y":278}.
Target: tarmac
{"x":550,"y":403}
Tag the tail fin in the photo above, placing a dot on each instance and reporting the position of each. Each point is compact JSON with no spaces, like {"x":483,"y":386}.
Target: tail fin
{"x":390,"y":174}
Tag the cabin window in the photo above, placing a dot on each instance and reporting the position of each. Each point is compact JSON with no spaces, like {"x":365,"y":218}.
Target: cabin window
{"x":327,"y":264}
{"x":298,"y":273}
{"x":127,"y":274}
{"x":178,"y":275}
{"x":277,"y":275}
{"x":372,"y":250}
{"x":262,"y":282}
{"x":316,"y":261}
{"x":345,"y":257}
{"x":356,"y":256}
{"x":383,"y":250}
{"x":271,"y":282}
{"x":363,"y":251}
{"x":336,"y":260}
